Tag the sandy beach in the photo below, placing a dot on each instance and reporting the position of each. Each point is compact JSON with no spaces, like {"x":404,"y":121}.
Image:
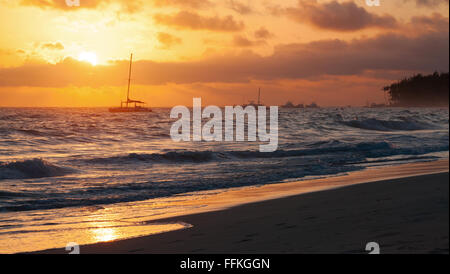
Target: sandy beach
{"x":402,"y":215}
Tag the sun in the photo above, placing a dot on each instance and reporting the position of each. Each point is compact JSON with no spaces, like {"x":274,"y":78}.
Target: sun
{"x":87,"y":56}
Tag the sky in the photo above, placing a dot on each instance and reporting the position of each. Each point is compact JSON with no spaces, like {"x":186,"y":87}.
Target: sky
{"x":334,"y":53}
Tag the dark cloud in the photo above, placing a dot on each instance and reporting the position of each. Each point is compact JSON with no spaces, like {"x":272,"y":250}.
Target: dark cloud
{"x":263,"y":33}
{"x":429,"y":3}
{"x":337,"y":16}
{"x":387,"y":52}
{"x":195,"y":21}
{"x":435,"y":22}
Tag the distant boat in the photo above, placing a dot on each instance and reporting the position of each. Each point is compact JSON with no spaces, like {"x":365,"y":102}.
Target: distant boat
{"x":253,"y":104}
{"x":289,"y":104}
{"x":131,"y":105}
{"x":313,"y":105}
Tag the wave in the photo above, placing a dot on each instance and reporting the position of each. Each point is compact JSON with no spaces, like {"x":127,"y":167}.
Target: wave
{"x":31,"y":132}
{"x":31,"y":169}
{"x":9,"y":194}
{"x":404,"y":124}
{"x":364,"y":149}
{"x":173,"y":156}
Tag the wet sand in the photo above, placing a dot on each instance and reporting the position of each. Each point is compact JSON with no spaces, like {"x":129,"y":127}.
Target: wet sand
{"x":403,"y":215}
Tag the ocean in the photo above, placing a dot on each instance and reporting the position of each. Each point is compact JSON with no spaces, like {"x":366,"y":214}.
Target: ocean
{"x":59,"y":167}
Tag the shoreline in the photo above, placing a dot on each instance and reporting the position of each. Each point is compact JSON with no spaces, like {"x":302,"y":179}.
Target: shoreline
{"x":267,"y":219}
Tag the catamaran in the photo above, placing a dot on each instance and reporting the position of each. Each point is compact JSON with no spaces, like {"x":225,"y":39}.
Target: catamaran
{"x":131,"y":105}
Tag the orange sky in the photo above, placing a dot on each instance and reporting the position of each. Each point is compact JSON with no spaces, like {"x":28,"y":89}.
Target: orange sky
{"x":330,"y":52}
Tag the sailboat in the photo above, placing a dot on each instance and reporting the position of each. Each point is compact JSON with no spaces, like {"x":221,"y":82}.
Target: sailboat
{"x":131,"y":105}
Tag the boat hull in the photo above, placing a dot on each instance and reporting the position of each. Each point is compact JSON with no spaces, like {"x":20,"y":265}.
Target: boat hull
{"x":121,"y":110}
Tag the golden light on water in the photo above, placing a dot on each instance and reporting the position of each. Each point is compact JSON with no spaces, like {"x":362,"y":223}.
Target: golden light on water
{"x":105,"y":234}
{"x":77,"y":230}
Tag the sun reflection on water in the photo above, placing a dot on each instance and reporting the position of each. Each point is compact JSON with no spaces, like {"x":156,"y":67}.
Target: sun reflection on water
{"x":105,"y":234}
{"x":85,"y":230}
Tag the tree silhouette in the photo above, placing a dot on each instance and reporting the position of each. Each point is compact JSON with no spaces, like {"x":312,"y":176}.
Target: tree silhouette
{"x":420,"y":91}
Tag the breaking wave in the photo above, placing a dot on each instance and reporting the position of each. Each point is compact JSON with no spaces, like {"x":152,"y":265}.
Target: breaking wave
{"x":30,"y":169}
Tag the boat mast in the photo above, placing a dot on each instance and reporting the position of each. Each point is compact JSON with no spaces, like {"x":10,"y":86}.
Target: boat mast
{"x":129,"y":80}
{"x":259,"y":96}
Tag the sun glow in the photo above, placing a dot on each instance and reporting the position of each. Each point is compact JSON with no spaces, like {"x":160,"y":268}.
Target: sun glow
{"x":89,"y":57}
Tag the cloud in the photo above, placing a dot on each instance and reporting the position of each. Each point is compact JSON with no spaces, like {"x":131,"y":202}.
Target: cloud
{"x":127,"y":5}
{"x":167,"y":40}
{"x":183,"y":3}
{"x":429,"y":3}
{"x":263,"y":33}
{"x":435,"y":22}
{"x":60,"y":4}
{"x":195,"y":21}
{"x":239,"y":7}
{"x":337,"y":16}
{"x":53,"y":46}
{"x":242,"y":41}
{"x":387,"y":52}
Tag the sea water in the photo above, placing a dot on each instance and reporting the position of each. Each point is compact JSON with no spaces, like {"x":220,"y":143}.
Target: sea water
{"x":65,"y":171}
